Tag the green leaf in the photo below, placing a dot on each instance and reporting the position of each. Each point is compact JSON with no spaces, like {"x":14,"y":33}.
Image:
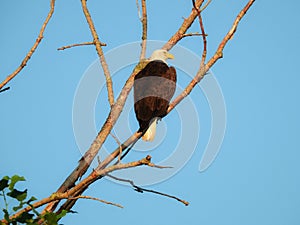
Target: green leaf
{"x":20,"y":206}
{"x":16,"y":208}
{"x":14,"y":179}
{"x":31,"y":200}
{"x":6,"y":215}
{"x":62,"y":214}
{"x":51,"y":218}
{"x":19,"y":195}
{"x":4,"y":183}
{"x":24,"y":217}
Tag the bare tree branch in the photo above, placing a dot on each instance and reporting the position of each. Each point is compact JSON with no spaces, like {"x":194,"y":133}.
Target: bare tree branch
{"x":189,"y":88}
{"x":204,"y":52}
{"x":96,"y":199}
{"x":206,"y":4}
{"x":229,"y":35}
{"x":90,"y":154}
{"x":141,"y":190}
{"x":99,"y":173}
{"x":118,"y":106}
{"x":144,"y":33}
{"x":71,"y":191}
{"x":219,"y":54}
{"x":4,"y":89}
{"x":72,"y":194}
{"x":120,"y":147}
{"x":193,"y":34}
{"x":179,"y":34}
{"x":79,"y":44}
{"x":33,"y":48}
{"x":100,"y":53}
{"x":138,"y":9}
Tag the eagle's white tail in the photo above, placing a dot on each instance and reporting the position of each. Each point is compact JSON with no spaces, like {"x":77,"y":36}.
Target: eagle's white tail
{"x":150,"y":133}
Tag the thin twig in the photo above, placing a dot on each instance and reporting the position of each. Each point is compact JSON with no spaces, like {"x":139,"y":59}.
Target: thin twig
{"x":98,"y":159}
{"x":204,"y":52}
{"x":206,"y":4}
{"x":141,"y":190}
{"x":132,"y":139}
{"x":120,"y":147}
{"x":4,"y":89}
{"x":100,"y":53}
{"x":202,"y":8}
{"x":96,"y":199}
{"x":144,"y":33}
{"x":33,"y":48}
{"x":138,"y":9}
{"x":79,"y":44}
{"x":159,"y":167}
{"x":193,"y":34}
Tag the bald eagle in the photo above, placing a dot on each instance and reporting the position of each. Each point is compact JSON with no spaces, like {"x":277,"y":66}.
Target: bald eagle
{"x":154,"y":86}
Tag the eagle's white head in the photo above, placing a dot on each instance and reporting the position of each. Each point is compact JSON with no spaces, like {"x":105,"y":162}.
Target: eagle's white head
{"x":162,"y":55}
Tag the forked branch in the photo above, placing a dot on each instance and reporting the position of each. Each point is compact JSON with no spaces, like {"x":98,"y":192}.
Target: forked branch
{"x":180,"y":33}
{"x":204,"y":52}
{"x":84,"y":184}
{"x":218,"y":54}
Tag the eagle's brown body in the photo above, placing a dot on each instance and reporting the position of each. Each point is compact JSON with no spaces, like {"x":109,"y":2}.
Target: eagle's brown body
{"x":154,"y":86}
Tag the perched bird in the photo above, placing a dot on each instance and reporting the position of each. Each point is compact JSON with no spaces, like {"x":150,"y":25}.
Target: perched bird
{"x":154,"y":86}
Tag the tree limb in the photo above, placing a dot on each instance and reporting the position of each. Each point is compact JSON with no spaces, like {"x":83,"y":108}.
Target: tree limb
{"x":114,"y":114}
{"x":179,"y":34}
{"x":144,"y":33}
{"x":204,"y":52}
{"x":120,"y":147}
{"x":4,"y":89}
{"x":219,"y":54}
{"x":206,"y":4}
{"x":79,"y":44}
{"x":33,"y":48}
{"x":193,"y":34}
{"x":141,"y":190}
{"x":84,"y":184}
{"x":100,"y":53}
{"x":97,"y":174}
{"x":97,"y":199}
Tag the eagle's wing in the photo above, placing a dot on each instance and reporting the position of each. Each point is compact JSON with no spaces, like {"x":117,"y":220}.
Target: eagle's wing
{"x":166,"y":89}
{"x":154,"y":86}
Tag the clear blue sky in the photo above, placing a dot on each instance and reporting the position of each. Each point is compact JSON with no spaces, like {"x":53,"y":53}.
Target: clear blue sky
{"x":255,"y":177}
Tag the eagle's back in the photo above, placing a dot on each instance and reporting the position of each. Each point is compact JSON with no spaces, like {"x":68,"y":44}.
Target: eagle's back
{"x":154,"y":86}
